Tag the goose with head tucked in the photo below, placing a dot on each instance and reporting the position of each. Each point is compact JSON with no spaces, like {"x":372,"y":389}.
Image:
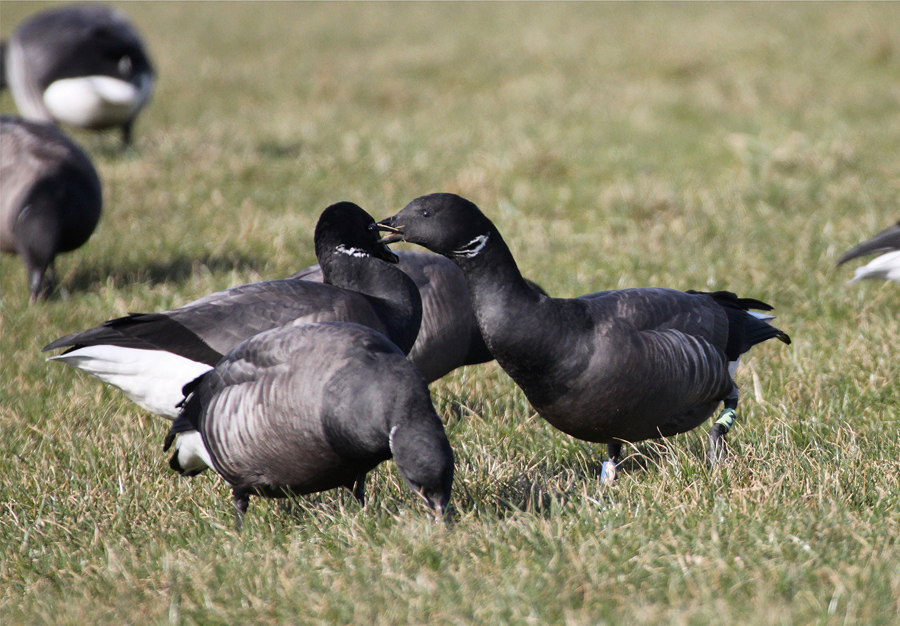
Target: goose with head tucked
{"x":151,"y":356}
{"x":449,"y":337}
{"x":83,"y":64}
{"x":609,"y":367}
{"x":886,"y":266}
{"x":310,"y":407}
{"x":50,"y":201}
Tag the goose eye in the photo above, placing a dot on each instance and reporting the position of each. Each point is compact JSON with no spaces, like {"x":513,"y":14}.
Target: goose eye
{"x":425,"y":213}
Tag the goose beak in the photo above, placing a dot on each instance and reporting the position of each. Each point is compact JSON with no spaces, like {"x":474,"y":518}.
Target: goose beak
{"x":386,"y":226}
{"x":381,"y":250}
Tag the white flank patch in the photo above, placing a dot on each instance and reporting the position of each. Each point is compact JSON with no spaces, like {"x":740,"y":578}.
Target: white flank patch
{"x":96,"y":101}
{"x":761,"y":316}
{"x":356,"y":252}
{"x":151,"y":378}
{"x":885,"y":267}
{"x":192,"y":453}
{"x":732,"y":367}
{"x":473,"y":248}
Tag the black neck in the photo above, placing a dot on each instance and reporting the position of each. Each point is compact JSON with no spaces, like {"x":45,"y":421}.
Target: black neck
{"x":384,"y":281}
{"x":499,"y":292}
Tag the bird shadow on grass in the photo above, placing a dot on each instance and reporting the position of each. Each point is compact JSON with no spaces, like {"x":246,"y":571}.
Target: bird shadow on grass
{"x":175,"y":269}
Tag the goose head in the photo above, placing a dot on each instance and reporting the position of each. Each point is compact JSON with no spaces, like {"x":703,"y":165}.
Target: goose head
{"x":442,"y":222}
{"x":344,"y":229}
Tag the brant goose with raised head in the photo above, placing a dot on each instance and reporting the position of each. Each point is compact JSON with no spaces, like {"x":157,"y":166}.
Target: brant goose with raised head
{"x":310,"y":407}
{"x":51,"y":198}
{"x":152,"y":356}
{"x":449,"y":337}
{"x":885,"y":266}
{"x":82,"y":64}
{"x":608,"y":367}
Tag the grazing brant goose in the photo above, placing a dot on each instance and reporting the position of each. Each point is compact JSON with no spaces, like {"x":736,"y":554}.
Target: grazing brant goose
{"x":51,"y":198}
{"x":151,"y":356}
{"x":83,"y":65}
{"x":885,"y":266}
{"x":310,"y":407}
{"x":608,"y":367}
{"x":449,"y":337}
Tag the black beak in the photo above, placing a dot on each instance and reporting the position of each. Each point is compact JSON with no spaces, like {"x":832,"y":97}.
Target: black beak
{"x":381,"y":250}
{"x":387,"y":226}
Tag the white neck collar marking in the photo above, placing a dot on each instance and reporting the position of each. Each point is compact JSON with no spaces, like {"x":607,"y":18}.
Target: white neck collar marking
{"x":357,"y":252}
{"x":473,"y":248}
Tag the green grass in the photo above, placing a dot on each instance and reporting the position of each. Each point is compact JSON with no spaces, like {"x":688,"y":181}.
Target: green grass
{"x":709,"y":146}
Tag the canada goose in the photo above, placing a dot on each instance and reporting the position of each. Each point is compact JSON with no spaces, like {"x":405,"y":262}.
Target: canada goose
{"x":449,"y":337}
{"x":50,"y":200}
{"x":151,"y":356}
{"x":309,"y":407}
{"x":885,"y":266}
{"x":608,"y":367}
{"x":83,"y":65}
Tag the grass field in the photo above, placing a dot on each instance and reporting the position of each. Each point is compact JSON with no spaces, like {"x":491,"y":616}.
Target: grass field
{"x":709,"y":146}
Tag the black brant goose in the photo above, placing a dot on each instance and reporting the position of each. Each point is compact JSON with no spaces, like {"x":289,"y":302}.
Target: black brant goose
{"x":310,"y":407}
{"x":608,"y":367}
{"x":152,"y":356}
{"x":51,"y":198}
{"x":885,"y":266}
{"x":83,"y":65}
{"x":449,"y":337}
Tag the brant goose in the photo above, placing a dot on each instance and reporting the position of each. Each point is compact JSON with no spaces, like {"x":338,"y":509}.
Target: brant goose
{"x":152,"y":356}
{"x":51,"y":199}
{"x":310,"y":407}
{"x":449,"y":337}
{"x":608,"y":367}
{"x":887,"y":265}
{"x":83,"y":65}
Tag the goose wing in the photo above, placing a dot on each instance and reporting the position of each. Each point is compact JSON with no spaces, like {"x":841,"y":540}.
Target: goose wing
{"x":207,"y":328}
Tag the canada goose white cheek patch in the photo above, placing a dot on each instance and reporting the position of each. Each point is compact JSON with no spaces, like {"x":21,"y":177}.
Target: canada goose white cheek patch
{"x":152,"y":379}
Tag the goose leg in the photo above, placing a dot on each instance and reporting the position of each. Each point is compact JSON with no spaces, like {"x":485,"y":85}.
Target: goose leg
{"x":608,"y":471}
{"x":718,"y":449}
{"x":241,"y":500}
{"x":126,"y":133}
{"x":359,"y":489}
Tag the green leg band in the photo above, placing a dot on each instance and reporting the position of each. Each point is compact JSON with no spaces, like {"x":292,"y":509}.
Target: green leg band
{"x":726,"y":419}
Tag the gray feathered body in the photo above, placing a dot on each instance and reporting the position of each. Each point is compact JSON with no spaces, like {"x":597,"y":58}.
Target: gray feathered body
{"x":307,"y":408}
{"x":51,"y":198}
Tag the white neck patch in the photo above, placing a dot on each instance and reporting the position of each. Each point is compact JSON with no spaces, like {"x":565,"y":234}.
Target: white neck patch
{"x":391,"y":437}
{"x":357,"y":252}
{"x":473,"y":248}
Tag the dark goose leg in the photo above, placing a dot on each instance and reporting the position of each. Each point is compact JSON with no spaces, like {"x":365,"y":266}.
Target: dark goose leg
{"x":718,"y":449}
{"x":608,"y":472}
{"x":241,"y":500}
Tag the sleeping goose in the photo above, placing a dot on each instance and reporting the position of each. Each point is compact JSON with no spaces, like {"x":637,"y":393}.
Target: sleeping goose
{"x":50,"y":197}
{"x":608,"y":367}
{"x":449,"y":337}
{"x":885,"y":266}
{"x":310,"y":407}
{"x":83,"y":65}
{"x":151,"y":356}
